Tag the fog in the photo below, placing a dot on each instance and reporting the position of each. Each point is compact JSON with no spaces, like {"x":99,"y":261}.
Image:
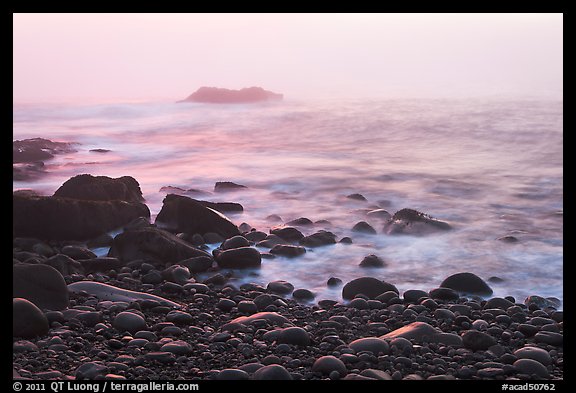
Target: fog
{"x":139,"y":57}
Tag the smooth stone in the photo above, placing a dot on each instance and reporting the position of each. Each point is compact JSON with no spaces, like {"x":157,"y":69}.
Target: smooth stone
{"x":226,"y":305}
{"x":22,"y":346}
{"x":288,"y":250}
{"x":535,"y":353}
{"x":232,"y":374}
{"x":239,"y":258}
{"x":527,"y":329}
{"x":447,"y":294}
{"x":128,"y":321}
{"x":302,"y":221}
{"x":179,"y":317}
{"x":272,"y":372}
{"x":467,"y":282}
{"x":413,"y":295}
{"x":280,"y":287}
{"x":179,"y":348}
{"x":369,"y":286}
{"x":364,"y":227}
{"x":303,"y":294}
{"x":197,"y":264}
{"x":318,"y":239}
{"x":357,"y":197}
{"x":359,"y":304}
{"x":41,"y":284}
{"x":247,"y":307}
{"x":376,"y":374}
{"x":541,"y":302}
{"x":287,"y":233}
{"x":101,"y":188}
{"x":235,"y":242}
{"x":115,"y":294}
{"x":162,"y":357}
{"x":416,"y":331}
{"x":476,"y":340}
{"x":328,"y":364}
{"x":370,"y":344}
{"x":27,"y":319}
{"x":550,"y":338}
{"x":271,"y":317}
{"x":177,"y":274}
{"x":531,"y":367}
{"x":412,"y":222}
{"x":65,"y":265}
{"x":372,"y":261}
{"x":295,"y":336}
{"x":333,"y":282}
{"x":255,"y":236}
{"x":403,"y":344}
{"x":498,"y":302}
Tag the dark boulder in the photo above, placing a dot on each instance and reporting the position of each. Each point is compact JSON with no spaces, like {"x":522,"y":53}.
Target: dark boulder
{"x":152,"y":243}
{"x":224,"y":186}
{"x":223,"y":207}
{"x":38,"y":149}
{"x":54,"y":218}
{"x":372,"y":261}
{"x":290,"y":234}
{"x":41,"y":284}
{"x":216,"y":95}
{"x":197,"y":264}
{"x":239,"y":258}
{"x":364,"y":227}
{"x":320,"y":238}
{"x":101,"y":188}
{"x":287,"y":250}
{"x":467,"y":283}
{"x":412,"y":222}
{"x":183,"y":214}
{"x":368,"y":286}
{"x":27,"y":319}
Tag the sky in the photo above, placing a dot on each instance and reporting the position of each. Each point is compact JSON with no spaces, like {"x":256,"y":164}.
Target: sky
{"x":142,"y":57}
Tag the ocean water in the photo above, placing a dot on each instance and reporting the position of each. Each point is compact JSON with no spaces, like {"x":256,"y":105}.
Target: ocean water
{"x":490,"y":168}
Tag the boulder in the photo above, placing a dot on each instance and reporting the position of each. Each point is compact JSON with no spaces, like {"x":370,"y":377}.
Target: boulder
{"x":272,"y":372}
{"x":372,"y":261}
{"x":38,"y":149}
{"x":41,"y":284}
{"x":370,"y":344}
{"x":27,"y":319}
{"x":197,"y":264}
{"x":364,"y":227}
{"x":54,"y":218}
{"x":368,"y":286}
{"x":223,"y":207}
{"x":280,"y":287}
{"x":216,"y":95}
{"x":320,"y":238}
{"x":152,"y":243}
{"x":288,"y":250}
{"x":289,"y":234}
{"x":183,"y":214}
{"x":239,"y":258}
{"x":467,"y":283}
{"x":101,"y":188}
{"x":412,"y":222}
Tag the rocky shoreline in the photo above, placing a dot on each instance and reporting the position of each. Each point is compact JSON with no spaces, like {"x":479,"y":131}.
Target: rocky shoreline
{"x":142,"y":312}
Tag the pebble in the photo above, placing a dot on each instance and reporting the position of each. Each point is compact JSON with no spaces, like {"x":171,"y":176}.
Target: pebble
{"x":413,"y":295}
{"x":247,"y":307}
{"x":280,"y":287}
{"x":370,"y":344}
{"x":226,"y":305}
{"x":177,"y":348}
{"x":230,"y":374}
{"x":534,"y":353}
{"x":303,"y":294}
{"x":531,"y":367}
{"x":295,"y":336}
{"x":272,"y":372}
{"x":128,"y":321}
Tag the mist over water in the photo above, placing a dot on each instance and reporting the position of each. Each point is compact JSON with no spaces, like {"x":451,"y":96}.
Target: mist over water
{"x":490,"y":168}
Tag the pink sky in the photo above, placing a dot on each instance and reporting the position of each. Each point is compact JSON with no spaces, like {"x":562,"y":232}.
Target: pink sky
{"x":106,"y":57}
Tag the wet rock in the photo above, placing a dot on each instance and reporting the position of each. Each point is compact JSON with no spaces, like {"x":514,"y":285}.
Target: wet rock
{"x":239,"y":258}
{"x":376,"y":374}
{"x":247,"y":307}
{"x":550,"y":338}
{"x":287,"y":250}
{"x":272,"y":372}
{"x":302,"y":221}
{"x":232,"y":374}
{"x":224,"y":186}
{"x":303,"y":294}
{"x":91,"y":370}
{"x":444,"y":294}
{"x":271,"y":241}
{"x":531,"y":367}
{"x":255,"y":236}
{"x":178,"y":348}
{"x":372,"y":261}
{"x":357,"y":197}
{"x":223,"y":207}
{"x":197,"y":264}
{"x":412,"y":222}
{"x":334,"y":282}
{"x":318,"y":239}
{"x":38,"y":149}
{"x":370,"y":344}
{"x":109,"y":292}
{"x":280,"y":287}
{"x":379,"y":213}
{"x":540,"y":302}
{"x":467,"y":283}
{"x":414,"y":295}
{"x":41,"y":284}
{"x":476,"y":340}
{"x":130,"y":322}
{"x":498,"y":302}
{"x":535,"y":353}
{"x":27,"y":319}
{"x":508,"y":239}
{"x":369,"y":286}
{"x":364,"y":227}
{"x":152,"y":243}
{"x":101,"y":188}
{"x":54,"y":218}
{"x":235,"y":242}
{"x":183,"y":214}
{"x":328,"y":364}
{"x":177,"y":274}
{"x":289,"y":234}
{"x":271,"y":317}
{"x":295,"y":336}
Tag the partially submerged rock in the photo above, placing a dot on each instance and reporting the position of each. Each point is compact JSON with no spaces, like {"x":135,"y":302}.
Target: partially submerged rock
{"x":215,"y":95}
{"x":412,"y":222}
{"x":101,"y":188}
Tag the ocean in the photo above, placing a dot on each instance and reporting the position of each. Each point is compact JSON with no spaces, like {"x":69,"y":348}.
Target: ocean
{"x":489,"y":167}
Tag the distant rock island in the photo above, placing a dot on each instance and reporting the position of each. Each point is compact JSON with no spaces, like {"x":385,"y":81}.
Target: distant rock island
{"x":216,"y":95}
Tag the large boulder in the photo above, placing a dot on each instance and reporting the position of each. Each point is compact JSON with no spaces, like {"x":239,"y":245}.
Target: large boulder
{"x":216,"y":95}
{"x":101,"y":188}
{"x":41,"y":284}
{"x":369,"y":286}
{"x":152,"y":243}
{"x":55,"y":218}
{"x":467,"y":283}
{"x":183,"y":214}
{"x":27,"y":319}
{"x":412,"y":222}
